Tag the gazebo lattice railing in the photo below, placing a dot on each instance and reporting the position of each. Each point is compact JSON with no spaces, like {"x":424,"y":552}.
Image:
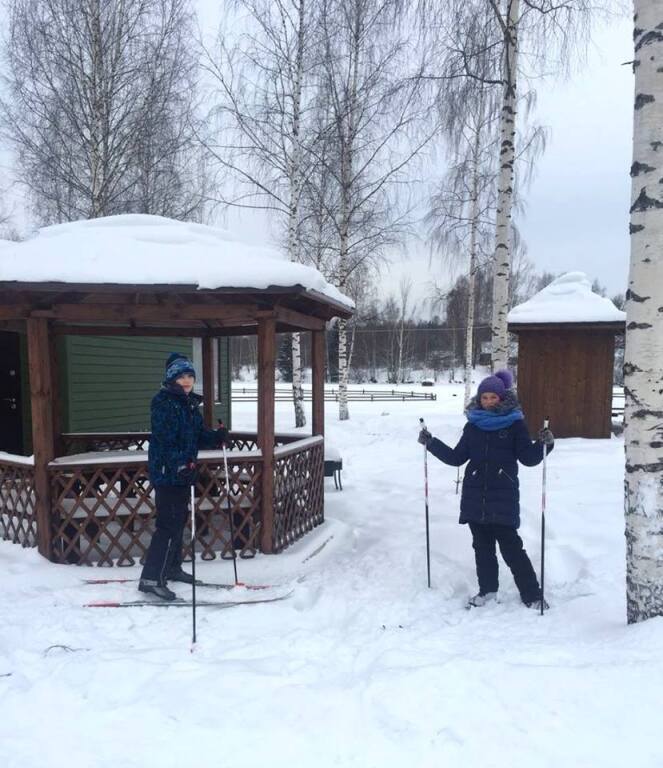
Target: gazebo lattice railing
{"x":102,"y":507}
{"x":18,"y":518}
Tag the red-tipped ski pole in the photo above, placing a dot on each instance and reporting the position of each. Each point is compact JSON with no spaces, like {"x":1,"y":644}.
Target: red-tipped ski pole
{"x":543,"y":518}
{"x":193,"y":561}
{"x":230,"y":513}
{"x":423,"y":426}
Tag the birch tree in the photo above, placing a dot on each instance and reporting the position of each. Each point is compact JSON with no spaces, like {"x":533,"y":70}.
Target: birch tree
{"x":550,"y":32}
{"x":100,"y":97}
{"x":375,"y":128}
{"x":526,"y":39}
{"x":263,"y":117}
{"x":643,"y":355}
{"x":462,"y":211}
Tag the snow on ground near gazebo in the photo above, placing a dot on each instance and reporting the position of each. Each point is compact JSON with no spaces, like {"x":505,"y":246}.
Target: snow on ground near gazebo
{"x":138,"y":249}
{"x":363,"y":666}
{"x":568,"y":299}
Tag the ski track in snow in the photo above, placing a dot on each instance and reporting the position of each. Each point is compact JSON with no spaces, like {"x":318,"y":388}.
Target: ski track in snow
{"x":364,"y":665}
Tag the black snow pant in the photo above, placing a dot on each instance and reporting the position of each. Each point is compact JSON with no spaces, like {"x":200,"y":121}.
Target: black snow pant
{"x":484,"y":538}
{"x":164,"y":555}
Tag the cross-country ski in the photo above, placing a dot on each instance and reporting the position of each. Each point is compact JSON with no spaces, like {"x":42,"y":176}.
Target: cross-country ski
{"x":181,"y":603}
{"x":206,"y":584}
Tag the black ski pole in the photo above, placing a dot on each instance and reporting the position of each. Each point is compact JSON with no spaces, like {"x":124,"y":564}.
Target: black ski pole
{"x":543,"y":519}
{"x":193,"y":560}
{"x":423,"y":426}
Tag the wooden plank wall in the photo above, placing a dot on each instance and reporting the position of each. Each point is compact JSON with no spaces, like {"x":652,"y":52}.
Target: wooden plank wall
{"x":111,"y":380}
{"x":567,"y":377}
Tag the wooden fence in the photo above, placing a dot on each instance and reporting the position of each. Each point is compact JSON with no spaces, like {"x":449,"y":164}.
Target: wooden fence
{"x":249,"y":394}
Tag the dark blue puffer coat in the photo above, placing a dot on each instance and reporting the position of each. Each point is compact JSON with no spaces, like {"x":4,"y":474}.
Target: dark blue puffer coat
{"x":177,"y":434}
{"x":490,"y":486}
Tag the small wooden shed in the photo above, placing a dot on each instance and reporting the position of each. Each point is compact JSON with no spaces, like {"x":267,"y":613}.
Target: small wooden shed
{"x":85,"y":497}
{"x":566,"y":351}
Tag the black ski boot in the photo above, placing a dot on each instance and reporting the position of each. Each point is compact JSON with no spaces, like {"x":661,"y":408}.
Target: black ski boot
{"x":182,"y":576}
{"x":158,"y":590}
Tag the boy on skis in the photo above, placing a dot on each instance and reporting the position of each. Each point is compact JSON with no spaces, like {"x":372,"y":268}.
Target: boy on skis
{"x":177,"y":434}
{"x":494,"y":440}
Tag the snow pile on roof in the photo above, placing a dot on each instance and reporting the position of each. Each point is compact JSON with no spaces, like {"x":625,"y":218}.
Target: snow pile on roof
{"x":569,"y":299}
{"x":139,"y":249}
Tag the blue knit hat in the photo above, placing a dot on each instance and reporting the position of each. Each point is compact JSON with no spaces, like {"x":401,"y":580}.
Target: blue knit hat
{"x":498,"y":384}
{"x":177,"y":365}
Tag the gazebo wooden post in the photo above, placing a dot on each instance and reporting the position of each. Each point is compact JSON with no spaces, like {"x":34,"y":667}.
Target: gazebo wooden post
{"x":58,"y":445}
{"x":43,"y":442}
{"x":318,"y":353}
{"x":266,"y":396}
{"x":208,"y":380}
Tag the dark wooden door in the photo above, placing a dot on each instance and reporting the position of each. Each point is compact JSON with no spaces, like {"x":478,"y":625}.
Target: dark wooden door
{"x":11,"y":426}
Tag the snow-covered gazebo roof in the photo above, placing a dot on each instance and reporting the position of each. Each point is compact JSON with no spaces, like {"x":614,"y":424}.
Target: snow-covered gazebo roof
{"x":568,"y":300}
{"x":140,"y":250}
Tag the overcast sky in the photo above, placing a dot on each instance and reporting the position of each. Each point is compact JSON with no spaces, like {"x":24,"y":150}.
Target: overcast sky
{"x":577,"y":207}
{"x":576,"y":214}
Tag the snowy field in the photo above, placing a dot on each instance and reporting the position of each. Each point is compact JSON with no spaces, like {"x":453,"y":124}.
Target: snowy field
{"x":364,"y":665}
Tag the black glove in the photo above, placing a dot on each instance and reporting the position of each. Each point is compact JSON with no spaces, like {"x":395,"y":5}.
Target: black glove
{"x":222,"y":436}
{"x":546,"y":436}
{"x":424,"y":437}
{"x":186,"y":473}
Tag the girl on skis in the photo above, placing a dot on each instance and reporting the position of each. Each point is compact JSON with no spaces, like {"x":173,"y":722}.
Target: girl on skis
{"x":494,"y":440}
{"x":177,"y":434}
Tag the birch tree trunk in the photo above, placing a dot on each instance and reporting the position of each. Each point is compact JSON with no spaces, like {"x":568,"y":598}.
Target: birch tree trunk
{"x":295,"y":172}
{"x":471,"y":299}
{"x":643,"y":358}
{"x":474,"y":226}
{"x":297,"y":389}
{"x":502,"y":265}
{"x":348,"y":135}
{"x":343,"y":412}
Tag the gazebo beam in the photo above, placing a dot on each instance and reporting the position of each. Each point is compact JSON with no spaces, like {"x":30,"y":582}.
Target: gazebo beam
{"x":43,"y":442}
{"x":266,"y":379}
{"x":151,"y":330}
{"x":318,"y":381}
{"x":298,"y":320}
{"x":120,"y":312}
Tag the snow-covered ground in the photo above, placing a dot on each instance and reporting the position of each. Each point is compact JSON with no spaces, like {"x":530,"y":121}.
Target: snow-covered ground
{"x":364,"y":665}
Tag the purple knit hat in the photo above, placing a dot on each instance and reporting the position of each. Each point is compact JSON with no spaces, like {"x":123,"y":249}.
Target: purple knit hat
{"x":497,"y":383}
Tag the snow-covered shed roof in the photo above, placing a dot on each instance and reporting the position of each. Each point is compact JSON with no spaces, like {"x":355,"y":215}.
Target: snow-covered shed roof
{"x":568,"y":299}
{"x":137,"y":249}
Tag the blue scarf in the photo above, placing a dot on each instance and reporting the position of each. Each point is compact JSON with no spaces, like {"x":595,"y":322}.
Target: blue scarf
{"x":507,"y":412}
{"x":491,"y":422}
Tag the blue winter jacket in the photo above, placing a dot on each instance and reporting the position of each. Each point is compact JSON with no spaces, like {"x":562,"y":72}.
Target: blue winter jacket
{"x":177,"y":434}
{"x":490,"y":485}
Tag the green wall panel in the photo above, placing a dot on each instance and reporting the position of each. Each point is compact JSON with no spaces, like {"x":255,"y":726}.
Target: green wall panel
{"x":107,"y":383}
{"x":223,"y":410}
{"x":110,"y":380}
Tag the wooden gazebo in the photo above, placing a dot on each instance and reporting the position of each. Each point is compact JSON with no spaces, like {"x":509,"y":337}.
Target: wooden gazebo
{"x":566,"y":351}
{"x":86,"y":498}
